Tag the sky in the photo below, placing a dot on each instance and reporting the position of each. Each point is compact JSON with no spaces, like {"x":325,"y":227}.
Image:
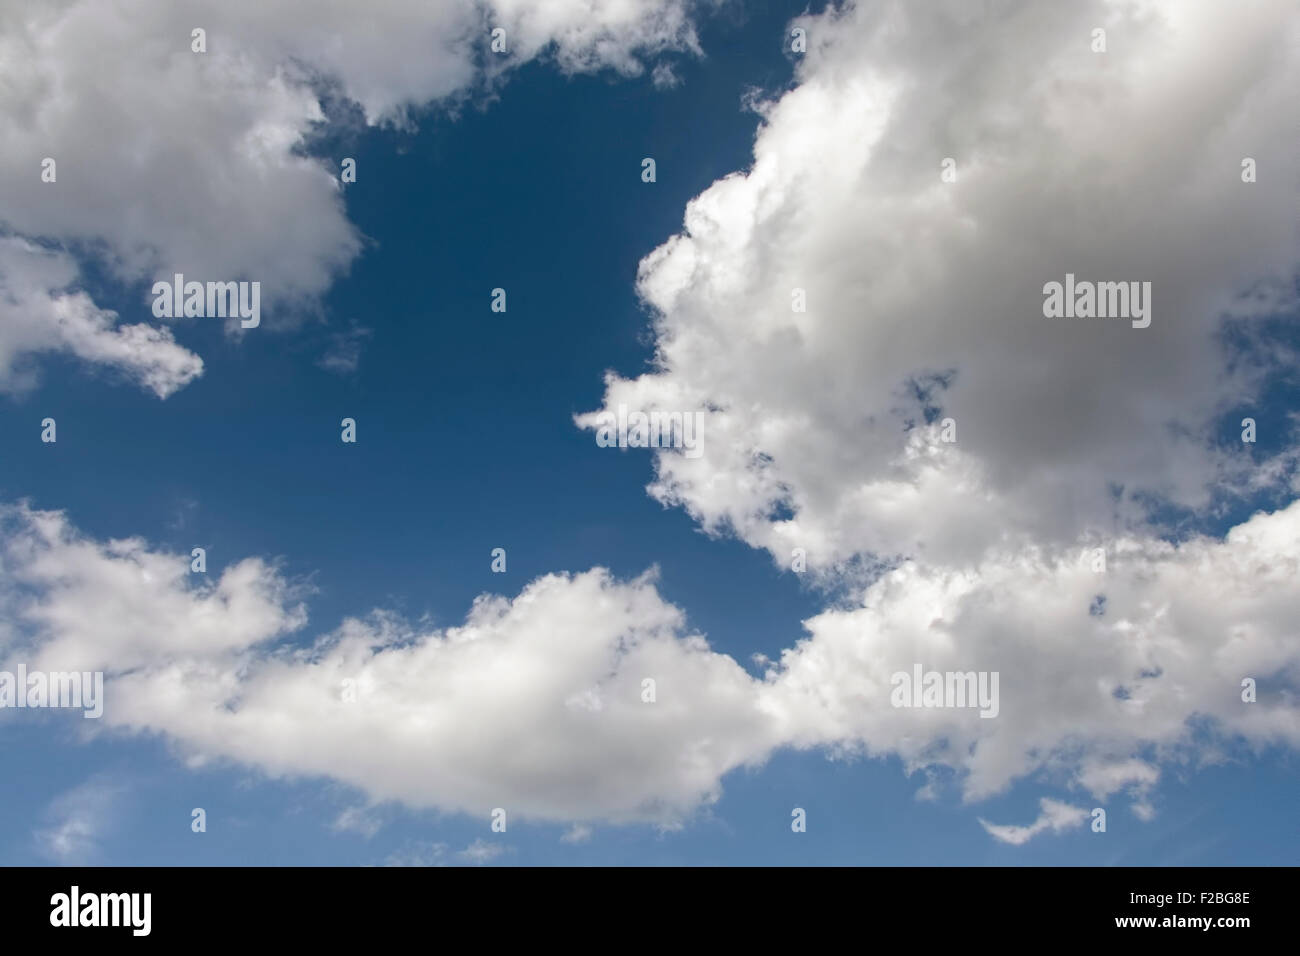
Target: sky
{"x":903,"y":462}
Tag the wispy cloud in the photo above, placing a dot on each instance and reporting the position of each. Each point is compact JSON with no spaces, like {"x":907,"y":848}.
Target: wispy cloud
{"x":363,"y":820}
{"x":1054,"y":817}
{"x":578,"y":833}
{"x":439,"y":854}
{"x":78,"y":820}
{"x":343,"y":354}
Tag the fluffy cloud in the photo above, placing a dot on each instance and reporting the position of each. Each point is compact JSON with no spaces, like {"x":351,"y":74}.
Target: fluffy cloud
{"x":823,"y":428}
{"x":1086,"y":685}
{"x":924,"y":301}
{"x":535,"y":705}
{"x":924,"y":297}
{"x":172,"y":161}
{"x":41,"y":311}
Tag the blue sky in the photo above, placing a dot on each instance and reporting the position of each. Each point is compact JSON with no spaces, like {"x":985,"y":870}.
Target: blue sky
{"x":467,"y":442}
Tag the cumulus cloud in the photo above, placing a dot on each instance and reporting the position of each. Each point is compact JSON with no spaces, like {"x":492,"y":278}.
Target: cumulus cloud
{"x":534,"y":704}
{"x":1054,"y":818}
{"x":172,"y":161}
{"x":924,"y":297}
{"x":468,"y":718}
{"x":923,"y":302}
{"x":825,"y":427}
{"x":1081,"y":695}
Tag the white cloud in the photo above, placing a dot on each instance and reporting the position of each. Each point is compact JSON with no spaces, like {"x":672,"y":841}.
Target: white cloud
{"x":430,"y":854}
{"x":78,"y":820}
{"x":1116,"y":166}
{"x":482,"y":715}
{"x":42,"y":311}
{"x":480,"y":852}
{"x":468,"y":718}
{"x":664,"y":77}
{"x":1105,"y":778}
{"x":118,"y":606}
{"x":1123,"y":166}
{"x":578,"y":833}
{"x":1081,"y":695}
{"x":343,"y":355}
{"x":173,"y":161}
{"x":362,"y":820}
{"x":1054,"y":818}
{"x":924,"y":301}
